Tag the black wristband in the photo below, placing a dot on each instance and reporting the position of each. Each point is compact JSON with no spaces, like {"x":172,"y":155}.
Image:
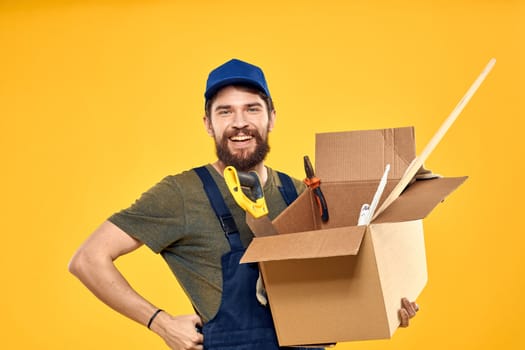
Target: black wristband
{"x":153,"y":317}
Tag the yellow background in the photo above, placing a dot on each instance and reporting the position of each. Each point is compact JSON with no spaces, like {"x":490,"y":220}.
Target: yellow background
{"x":100,"y":99}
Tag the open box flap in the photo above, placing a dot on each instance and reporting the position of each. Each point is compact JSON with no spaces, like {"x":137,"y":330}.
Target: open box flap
{"x":363,"y":155}
{"x":305,"y":245}
{"x":419,"y":199}
{"x":297,"y":217}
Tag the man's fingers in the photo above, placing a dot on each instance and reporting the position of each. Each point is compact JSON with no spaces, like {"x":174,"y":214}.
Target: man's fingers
{"x":198,"y":328}
{"x":197,"y":320}
{"x":415,"y":306}
{"x":407,"y":311}
{"x":403,"y":316}
{"x":199,"y":340}
{"x":410,"y":307}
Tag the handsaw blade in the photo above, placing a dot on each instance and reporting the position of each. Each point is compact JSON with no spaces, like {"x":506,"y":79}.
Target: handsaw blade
{"x":261,"y":227}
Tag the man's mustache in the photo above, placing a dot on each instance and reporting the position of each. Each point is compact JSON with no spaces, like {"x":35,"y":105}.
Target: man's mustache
{"x":244,"y":131}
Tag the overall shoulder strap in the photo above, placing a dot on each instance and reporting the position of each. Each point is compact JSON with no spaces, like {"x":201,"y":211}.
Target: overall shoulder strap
{"x":287,"y":188}
{"x":219,"y":206}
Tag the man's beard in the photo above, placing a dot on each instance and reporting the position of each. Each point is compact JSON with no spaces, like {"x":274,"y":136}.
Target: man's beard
{"x":244,"y":160}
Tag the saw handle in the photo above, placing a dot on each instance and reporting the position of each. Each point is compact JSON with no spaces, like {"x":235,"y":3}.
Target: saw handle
{"x":251,"y":180}
{"x":235,"y":180}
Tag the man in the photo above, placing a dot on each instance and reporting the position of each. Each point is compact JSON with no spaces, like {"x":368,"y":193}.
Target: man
{"x":187,"y":218}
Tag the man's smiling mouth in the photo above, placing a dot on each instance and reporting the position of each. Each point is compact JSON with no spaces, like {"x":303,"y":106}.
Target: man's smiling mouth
{"x":240,"y":138}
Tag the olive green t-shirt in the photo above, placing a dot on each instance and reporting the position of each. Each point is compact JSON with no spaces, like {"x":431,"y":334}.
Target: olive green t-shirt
{"x":174,"y":218}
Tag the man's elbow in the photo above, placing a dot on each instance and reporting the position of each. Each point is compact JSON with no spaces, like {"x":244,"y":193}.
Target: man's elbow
{"x":78,"y":263}
{"x":98,"y":252}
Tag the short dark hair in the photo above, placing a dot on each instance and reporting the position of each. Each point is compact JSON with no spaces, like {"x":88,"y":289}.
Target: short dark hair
{"x":267,"y":99}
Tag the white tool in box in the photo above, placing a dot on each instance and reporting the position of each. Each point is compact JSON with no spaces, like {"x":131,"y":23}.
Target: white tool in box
{"x":367,"y":210}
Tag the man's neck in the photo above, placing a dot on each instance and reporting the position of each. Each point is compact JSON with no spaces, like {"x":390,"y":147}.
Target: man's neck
{"x":259,"y":168}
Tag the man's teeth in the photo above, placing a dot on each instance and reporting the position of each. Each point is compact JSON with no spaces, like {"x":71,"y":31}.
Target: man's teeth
{"x":240,"y":138}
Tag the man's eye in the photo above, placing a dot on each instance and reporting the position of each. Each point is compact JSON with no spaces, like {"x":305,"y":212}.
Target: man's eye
{"x":254,"y":109}
{"x":224,"y":112}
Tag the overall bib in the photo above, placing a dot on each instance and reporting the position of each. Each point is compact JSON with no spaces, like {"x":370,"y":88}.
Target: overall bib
{"x":241,"y":323}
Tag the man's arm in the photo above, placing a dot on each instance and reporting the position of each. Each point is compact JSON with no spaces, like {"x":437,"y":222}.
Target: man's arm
{"x":93,"y":265}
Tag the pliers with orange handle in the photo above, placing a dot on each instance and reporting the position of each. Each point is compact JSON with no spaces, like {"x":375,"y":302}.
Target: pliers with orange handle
{"x":314,"y":183}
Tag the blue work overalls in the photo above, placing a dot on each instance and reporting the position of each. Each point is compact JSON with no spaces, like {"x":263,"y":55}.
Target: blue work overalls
{"x":241,"y":323}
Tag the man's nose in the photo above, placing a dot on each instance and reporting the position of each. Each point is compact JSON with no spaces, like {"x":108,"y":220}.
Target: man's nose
{"x":239,"y":120}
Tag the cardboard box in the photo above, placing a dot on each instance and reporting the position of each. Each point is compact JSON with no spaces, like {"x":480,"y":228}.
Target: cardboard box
{"x":336,"y":281}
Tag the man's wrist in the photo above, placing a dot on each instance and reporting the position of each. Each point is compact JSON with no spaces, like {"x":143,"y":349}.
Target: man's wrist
{"x":160,"y":322}
{"x":152,"y":318}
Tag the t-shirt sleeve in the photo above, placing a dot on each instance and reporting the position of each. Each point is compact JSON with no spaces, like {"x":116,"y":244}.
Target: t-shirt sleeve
{"x":156,"y":218}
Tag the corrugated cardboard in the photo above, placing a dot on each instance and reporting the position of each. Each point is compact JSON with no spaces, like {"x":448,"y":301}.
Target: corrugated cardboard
{"x":335,"y":281}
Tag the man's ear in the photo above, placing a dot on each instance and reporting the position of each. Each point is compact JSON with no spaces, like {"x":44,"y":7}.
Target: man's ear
{"x":207,"y":125}
{"x":271,"y":121}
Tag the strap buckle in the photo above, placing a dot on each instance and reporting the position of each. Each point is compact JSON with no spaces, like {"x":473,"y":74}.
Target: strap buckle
{"x":228,"y":224}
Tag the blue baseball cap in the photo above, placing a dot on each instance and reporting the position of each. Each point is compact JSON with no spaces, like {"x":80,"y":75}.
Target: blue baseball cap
{"x":235,"y":72}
